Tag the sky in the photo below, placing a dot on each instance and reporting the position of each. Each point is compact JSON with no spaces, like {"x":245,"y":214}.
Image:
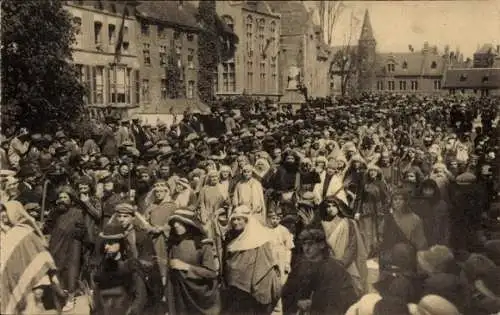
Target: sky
{"x":397,"y":24}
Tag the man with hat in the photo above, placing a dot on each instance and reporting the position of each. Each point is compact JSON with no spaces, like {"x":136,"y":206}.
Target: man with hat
{"x":123,"y":133}
{"x":110,"y":197}
{"x":108,"y":142}
{"x":120,"y":272}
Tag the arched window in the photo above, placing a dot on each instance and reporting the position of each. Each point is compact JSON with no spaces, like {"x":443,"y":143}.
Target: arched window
{"x":433,"y":65}
{"x":249,"y":33}
{"x":405,"y":65}
{"x":272,"y":28}
{"x":112,"y":8}
{"x":229,"y":21}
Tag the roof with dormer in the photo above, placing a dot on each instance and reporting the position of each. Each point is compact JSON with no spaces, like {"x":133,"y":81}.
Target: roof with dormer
{"x":411,"y":64}
{"x":472,"y":78}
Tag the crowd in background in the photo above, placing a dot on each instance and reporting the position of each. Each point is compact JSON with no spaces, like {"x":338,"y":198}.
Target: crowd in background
{"x":380,"y":204}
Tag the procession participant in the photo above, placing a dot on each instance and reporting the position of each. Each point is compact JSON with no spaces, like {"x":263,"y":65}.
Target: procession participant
{"x":318,"y":284}
{"x":249,"y":192}
{"x":400,"y":225}
{"x":253,"y":290}
{"x":192,"y":281}
{"x":108,"y":142}
{"x":18,"y":147}
{"x":183,"y":195}
{"x":27,"y":270}
{"x":120,"y":285}
{"x":157,"y":214}
{"x":226,"y":182}
{"x":63,"y":246}
{"x":110,"y":198}
{"x":211,"y":198}
{"x":372,"y":206}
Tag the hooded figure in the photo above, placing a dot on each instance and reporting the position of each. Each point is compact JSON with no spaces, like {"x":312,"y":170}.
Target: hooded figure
{"x":251,"y":274}
{"x":433,"y":211}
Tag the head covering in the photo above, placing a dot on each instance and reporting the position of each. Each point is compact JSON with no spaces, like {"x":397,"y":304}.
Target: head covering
{"x":125,"y":208}
{"x":183,"y":182}
{"x":476,"y":266}
{"x":466,"y":178}
{"x":489,"y":284}
{"x":435,"y":305}
{"x":435,"y":259}
{"x":448,"y":286}
{"x":253,"y":236}
{"x":16,"y":212}
{"x":186,"y":217}
{"x":113,"y":231}
{"x":492,"y":250}
{"x":391,"y":306}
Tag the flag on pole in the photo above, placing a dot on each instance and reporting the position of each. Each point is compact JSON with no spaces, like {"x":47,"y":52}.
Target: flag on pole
{"x":119,"y":41}
{"x":24,"y":262}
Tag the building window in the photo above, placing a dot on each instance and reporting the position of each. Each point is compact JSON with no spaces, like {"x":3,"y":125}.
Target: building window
{"x":216,"y":82}
{"x":229,"y":21}
{"x":250,"y":76}
{"x":190,"y":58}
{"x":125,"y":43}
{"x":380,"y":85}
{"x":111,"y":34}
{"x":112,"y":8}
{"x":162,"y":33}
{"x":414,"y":85}
{"x":98,"y":5}
{"x":190,"y":89}
{"x":437,"y":84}
{"x":177,"y":35}
{"x":390,"y":85}
{"x":274,"y":70}
{"x":164,"y":89}
{"x":433,"y":65}
{"x":485,"y":79}
{"x":163,"y":55}
{"x":262,"y":77}
{"x":229,"y":76}
{"x":97,"y":32}
{"x":391,"y":67}
{"x":77,"y":25}
{"x":145,"y":91}
{"x":272,"y":28}
{"x":145,"y":53}
{"x":463,"y":77}
{"x":98,"y":84}
{"x":261,"y":28}
{"x":137,"y":87}
{"x":402,"y":85}
{"x":145,"y":29}
{"x":249,"y":33}
{"x":405,"y":65}
{"x":190,"y":37}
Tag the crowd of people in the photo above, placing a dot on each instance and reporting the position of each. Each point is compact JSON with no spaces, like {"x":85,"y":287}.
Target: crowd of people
{"x":380,"y":204}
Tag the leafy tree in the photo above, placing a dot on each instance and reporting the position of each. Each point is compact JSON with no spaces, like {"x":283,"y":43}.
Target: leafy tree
{"x":216,"y":43}
{"x":173,"y":74}
{"x":39,"y":84}
{"x":344,"y":64}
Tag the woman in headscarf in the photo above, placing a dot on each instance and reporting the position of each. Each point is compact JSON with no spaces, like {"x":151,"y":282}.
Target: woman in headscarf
{"x":250,"y":273}
{"x":261,"y":169}
{"x":226,"y":181}
{"x":183,"y":195}
{"x":27,"y":268}
{"x":210,"y":200}
{"x":249,"y":192}
{"x":192,"y":286}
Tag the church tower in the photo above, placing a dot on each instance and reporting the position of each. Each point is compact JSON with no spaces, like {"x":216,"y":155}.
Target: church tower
{"x":366,"y":54}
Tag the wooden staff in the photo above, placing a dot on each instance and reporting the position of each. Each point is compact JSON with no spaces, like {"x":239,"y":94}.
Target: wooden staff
{"x":44,"y":199}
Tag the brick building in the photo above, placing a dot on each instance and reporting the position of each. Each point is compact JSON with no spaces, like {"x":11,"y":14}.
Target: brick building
{"x":414,"y":71}
{"x":167,"y":41}
{"x":483,"y":78}
{"x":304,"y":57}
{"x":113,"y":84}
{"x":254,"y":70}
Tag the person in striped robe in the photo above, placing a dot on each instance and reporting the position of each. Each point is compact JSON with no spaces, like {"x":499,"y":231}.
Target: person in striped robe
{"x":27,"y":269}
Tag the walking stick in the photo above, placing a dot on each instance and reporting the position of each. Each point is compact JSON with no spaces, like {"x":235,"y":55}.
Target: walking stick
{"x":44,"y":199}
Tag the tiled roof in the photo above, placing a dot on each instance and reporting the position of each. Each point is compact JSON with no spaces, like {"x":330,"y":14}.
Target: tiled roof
{"x":417,"y":63}
{"x":258,"y":6}
{"x":472,"y":78}
{"x":294,"y":16}
{"x":169,"y":12}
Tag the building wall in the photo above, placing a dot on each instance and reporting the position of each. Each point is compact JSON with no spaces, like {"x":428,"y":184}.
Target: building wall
{"x":424,"y":85}
{"x":253,"y":74}
{"x":106,"y":82}
{"x":154,"y":85}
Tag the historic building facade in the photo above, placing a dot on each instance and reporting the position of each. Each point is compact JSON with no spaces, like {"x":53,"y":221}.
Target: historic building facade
{"x":304,"y":57}
{"x":103,"y":28}
{"x":480,"y":78}
{"x":415,"y":71}
{"x":167,"y":40}
{"x":254,"y":70}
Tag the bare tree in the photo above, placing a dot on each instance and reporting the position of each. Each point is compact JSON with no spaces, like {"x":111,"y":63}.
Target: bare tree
{"x":345,"y":60}
{"x":329,"y":13}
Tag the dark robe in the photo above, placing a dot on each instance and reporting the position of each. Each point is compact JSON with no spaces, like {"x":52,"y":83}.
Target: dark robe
{"x":194,"y":291}
{"x":63,"y":246}
{"x":327,"y":281}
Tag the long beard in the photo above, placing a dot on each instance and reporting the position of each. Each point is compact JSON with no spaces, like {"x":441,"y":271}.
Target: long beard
{"x":142,"y":187}
{"x":290,"y":167}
